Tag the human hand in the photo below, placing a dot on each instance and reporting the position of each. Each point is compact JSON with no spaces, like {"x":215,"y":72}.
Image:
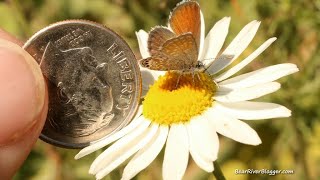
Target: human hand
{"x":23,"y":104}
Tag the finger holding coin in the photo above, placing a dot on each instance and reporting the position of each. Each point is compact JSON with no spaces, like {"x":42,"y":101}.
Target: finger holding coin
{"x":93,"y":80}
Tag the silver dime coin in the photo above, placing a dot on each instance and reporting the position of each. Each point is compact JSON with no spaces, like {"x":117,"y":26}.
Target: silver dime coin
{"x":93,"y":81}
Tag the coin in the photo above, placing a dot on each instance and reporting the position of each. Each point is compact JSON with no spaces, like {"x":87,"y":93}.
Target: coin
{"x":93,"y":81}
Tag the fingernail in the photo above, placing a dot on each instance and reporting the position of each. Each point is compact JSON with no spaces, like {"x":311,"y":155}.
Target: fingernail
{"x":22,"y":92}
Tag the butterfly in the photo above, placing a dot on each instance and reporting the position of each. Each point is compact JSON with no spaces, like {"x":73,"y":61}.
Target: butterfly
{"x":176,"y":48}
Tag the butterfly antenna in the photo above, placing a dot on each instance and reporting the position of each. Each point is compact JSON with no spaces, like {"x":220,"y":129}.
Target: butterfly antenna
{"x":205,"y":68}
{"x":224,"y":57}
{"x":208,"y":59}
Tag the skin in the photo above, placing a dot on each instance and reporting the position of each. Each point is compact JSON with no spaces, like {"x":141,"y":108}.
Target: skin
{"x":23,"y":104}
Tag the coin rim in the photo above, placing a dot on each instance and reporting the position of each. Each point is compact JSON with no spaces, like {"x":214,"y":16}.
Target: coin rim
{"x":135,"y":67}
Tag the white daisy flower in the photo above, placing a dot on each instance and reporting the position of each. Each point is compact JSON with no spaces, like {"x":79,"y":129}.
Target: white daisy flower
{"x":187,"y":118}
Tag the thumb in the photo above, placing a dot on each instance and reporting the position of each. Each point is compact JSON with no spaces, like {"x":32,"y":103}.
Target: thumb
{"x":23,"y":105}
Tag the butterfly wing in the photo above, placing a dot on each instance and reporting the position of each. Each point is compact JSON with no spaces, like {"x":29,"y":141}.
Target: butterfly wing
{"x":186,"y":18}
{"x":179,"y":53}
{"x":157,"y":37}
{"x":156,"y":63}
{"x":182,"y":52}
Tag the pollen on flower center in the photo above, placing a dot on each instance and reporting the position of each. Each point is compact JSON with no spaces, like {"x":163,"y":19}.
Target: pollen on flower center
{"x":176,"y":98}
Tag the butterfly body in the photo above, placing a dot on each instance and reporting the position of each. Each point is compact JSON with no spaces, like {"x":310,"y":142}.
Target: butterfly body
{"x":176,"y":48}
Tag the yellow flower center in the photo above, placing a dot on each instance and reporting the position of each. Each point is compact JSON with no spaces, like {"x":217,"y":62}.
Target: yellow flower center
{"x":176,"y":98}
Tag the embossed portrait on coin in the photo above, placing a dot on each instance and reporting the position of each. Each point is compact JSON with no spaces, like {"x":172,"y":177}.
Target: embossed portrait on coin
{"x":84,"y":91}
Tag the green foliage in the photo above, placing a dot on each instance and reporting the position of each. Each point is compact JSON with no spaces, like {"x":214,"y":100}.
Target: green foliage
{"x":288,"y":143}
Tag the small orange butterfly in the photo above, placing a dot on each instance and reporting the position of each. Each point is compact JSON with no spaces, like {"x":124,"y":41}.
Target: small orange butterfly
{"x":176,"y":49}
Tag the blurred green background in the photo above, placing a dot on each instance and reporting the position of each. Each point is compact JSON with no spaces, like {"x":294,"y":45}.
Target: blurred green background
{"x":288,"y":143}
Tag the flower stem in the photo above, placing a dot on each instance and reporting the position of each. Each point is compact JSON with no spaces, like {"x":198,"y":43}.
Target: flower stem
{"x":217,"y":171}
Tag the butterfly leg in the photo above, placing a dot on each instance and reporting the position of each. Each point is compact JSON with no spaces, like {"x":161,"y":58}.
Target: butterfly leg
{"x":216,"y":83}
{"x":193,"y":77}
{"x":178,"y":80}
{"x":198,"y":76}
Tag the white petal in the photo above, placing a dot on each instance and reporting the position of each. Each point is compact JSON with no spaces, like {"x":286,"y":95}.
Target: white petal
{"x":253,"y":110}
{"x":203,"y":139}
{"x":202,"y":31}
{"x":142,"y":37}
{"x":264,"y":75}
{"x":233,"y":128}
{"x":146,"y":155}
{"x":246,"y":61}
{"x":148,"y":76}
{"x":129,"y":151}
{"x":147,"y":79}
{"x":214,"y":41}
{"x":236,"y":47}
{"x":113,"y":137}
{"x":176,"y":153}
{"x":143,"y":46}
{"x":204,"y":164}
{"x":249,"y":93}
{"x":118,"y":148}
{"x":204,"y":143}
